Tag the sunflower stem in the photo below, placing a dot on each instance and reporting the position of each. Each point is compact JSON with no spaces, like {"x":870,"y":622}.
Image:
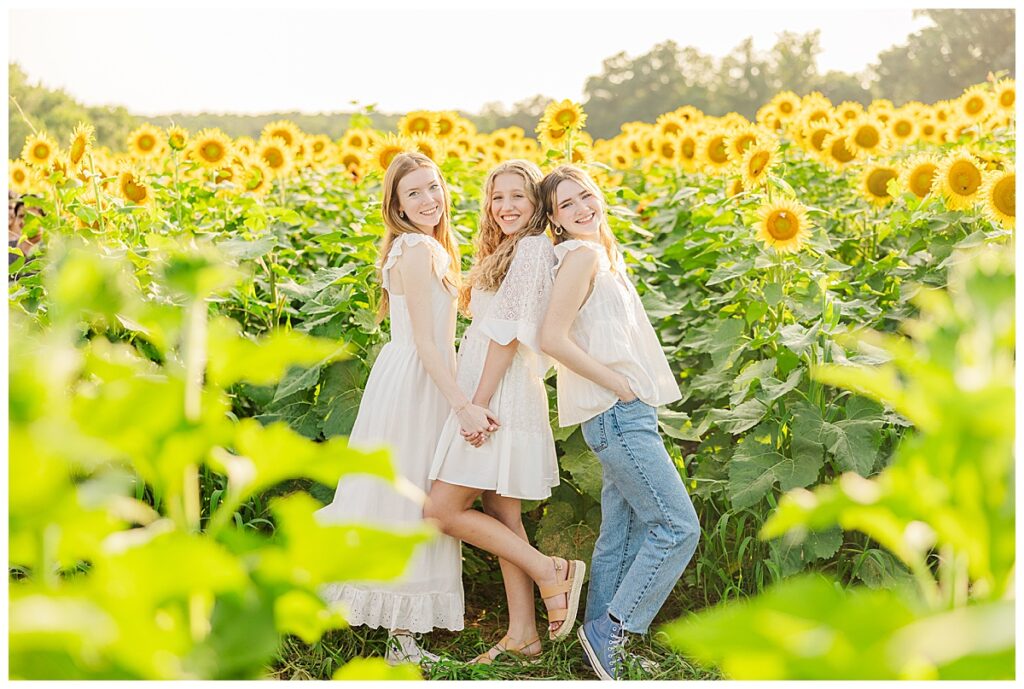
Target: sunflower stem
{"x":96,"y":193}
{"x":177,"y":189}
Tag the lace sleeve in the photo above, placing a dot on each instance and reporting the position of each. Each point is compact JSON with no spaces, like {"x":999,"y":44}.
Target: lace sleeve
{"x":518,"y":307}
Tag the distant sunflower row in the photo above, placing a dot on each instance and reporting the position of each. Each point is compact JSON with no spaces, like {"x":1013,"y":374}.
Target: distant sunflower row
{"x":881,"y":142}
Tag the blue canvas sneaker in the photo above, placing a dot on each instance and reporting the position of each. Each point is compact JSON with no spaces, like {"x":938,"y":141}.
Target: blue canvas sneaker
{"x":603,"y":640}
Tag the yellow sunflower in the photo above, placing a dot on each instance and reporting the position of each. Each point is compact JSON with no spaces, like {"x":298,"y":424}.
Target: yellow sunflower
{"x":132,"y":187}
{"x":285,"y":130}
{"x":917,"y":174}
{"x":177,"y":138}
{"x":564,"y":114}
{"x":734,"y":187}
{"x":211,"y":148}
{"x":319,"y":147}
{"x":256,"y":178}
{"x":815,"y":106}
{"x":418,"y":122}
{"x":866,"y":136}
{"x":244,"y":146}
{"x":689,"y":114}
{"x":687,"y":150}
{"x":620,"y":159}
{"x":81,"y":142}
{"x":902,"y":127}
{"x":931,"y":131}
{"x":786,"y":104}
{"x":146,"y":141}
{"x":959,"y":179}
{"x":874,"y":184}
{"x":276,"y":154}
{"x":999,"y":194}
{"x":783,"y":225}
{"x":670,"y":124}
{"x":836,"y":151}
{"x":430,"y":147}
{"x":849,"y":110}
{"x":757,"y":164}
{"x":553,"y":138}
{"x":711,"y":151}
{"x":666,"y":149}
{"x":739,"y":140}
{"x":975,"y":104}
{"x":350,"y":158}
{"x":1005,"y":93}
{"x":20,"y":176}
{"x":39,"y":150}
{"x":447,"y":125}
{"x":386,"y":148}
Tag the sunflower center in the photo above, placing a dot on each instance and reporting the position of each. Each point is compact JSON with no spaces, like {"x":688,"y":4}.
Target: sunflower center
{"x":19,"y":175}
{"x":134,"y":192}
{"x":388,"y":156}
{"x":964,"y":178}
{"x":758,"y":163}
{"x":274,"y":158}
{"x":867,"y":137}
{"x":444,"y":126}
{"x":1004,"y":195}
{"x":818,"y":138}
{"x":717,"y":152}
{"x":565,"y":118}
{"x":782,"y":225}
{"x":921,"y":180}
{"x":671,"y":128}
{"x":350,"y":160}
{"x":744,"y":142}
{"x":840,"y":152}
{"x":902,"y":128}
{"x":147,"y":142}
{"x":1007,"y":98}
{"x":975,"y":105}
{"x":254,"y":179}
{"x":877,"y":181}
{"x":41,"y":151}
{"x":176,"y":141}
{"x":284,"y":135}
{"x":785,"y":107}
{"x":356,"y":142}
{"x":420,"y":124}
{"x":667,"y":150}
{"x":689,"y":148}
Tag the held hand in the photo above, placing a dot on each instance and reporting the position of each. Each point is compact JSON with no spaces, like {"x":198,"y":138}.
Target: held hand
{"x":624,"y":392}
{"x":476,"y":419}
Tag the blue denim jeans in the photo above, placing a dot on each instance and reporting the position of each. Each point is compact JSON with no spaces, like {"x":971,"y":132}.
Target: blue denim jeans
{"x":649,"y":529}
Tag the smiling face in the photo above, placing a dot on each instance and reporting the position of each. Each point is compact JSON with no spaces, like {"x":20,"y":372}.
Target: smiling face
{"x":510,"y":205}
{"x":577,"y":210}
{"x":421,"y":198}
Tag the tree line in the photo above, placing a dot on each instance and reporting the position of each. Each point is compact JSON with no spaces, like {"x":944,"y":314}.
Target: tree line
{"x":960,"y":48}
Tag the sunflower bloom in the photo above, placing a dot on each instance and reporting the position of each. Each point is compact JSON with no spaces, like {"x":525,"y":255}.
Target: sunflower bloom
{"x":20,"y":176}
{"x":918,"y":175}
{"x":739,"y":140}
{"x":177,"y":138}
{"x":277,"y":155}
{"x":256,"y":178}
{"x":1005,"y":92}
{"x":849,"y":110}
{"x":975,"y":104}
{"x":447,"y":124}
{"x":666,"y":150}
{"x":874,"y":184}
{"x":959,"y":179}
{"x":430,"y":147}
{"x":786,"y":104}
{"x":132,"y":188}
{"x":712,"y":153}
{"x":211,"y":148}
{"x":418,"y":122}
{"x":757,"y":164}
{"x":81,"y":143}
{"x":39,"y":150}
{"x":836,"y":151}
{"x":145,"y":141}
{"x":866,"y":136}
{"x":783,"y":225}
{"x":999,"y":194}
{"x":285,"y":130}
{"x":670,"y":124}
{"x":564,"y":114}
{"x":358,"y":139}
{"x":902,"y":128}
{"x":385,"y":150}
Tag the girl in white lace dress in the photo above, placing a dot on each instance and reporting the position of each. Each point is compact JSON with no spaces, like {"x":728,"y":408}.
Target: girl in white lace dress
{"x":501,"y":366}
{"x":410,"y":392}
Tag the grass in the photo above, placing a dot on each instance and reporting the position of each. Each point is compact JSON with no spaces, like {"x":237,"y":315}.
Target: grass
{"x":485,"y":617}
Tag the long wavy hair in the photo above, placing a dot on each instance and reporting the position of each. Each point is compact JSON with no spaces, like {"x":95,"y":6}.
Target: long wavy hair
{"x":395,"y":224}
{"x":493,"y":249}
{"x":548,"y":189}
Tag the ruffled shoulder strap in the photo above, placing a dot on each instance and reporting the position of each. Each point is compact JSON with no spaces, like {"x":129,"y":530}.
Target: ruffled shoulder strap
{"x":518,"y":306}
{"x":562,"y":250}
{"x":439,"y":256}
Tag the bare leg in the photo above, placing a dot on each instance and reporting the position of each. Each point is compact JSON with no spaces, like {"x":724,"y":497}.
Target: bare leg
{"x":522,"y":619}
{"x":452,"y":507}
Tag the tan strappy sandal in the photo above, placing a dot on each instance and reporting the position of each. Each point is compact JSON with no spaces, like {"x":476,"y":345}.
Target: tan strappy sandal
{"x":501,"y":648}
{"x":572,"y":585}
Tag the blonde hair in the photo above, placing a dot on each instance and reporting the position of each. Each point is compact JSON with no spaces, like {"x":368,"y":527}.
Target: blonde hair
{"x":493,"y":249}
{"x":548,"y":189}
{"x":395,"y":224}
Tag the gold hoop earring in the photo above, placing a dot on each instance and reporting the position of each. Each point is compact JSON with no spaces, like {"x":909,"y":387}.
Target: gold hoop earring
{"x":558,"y":230}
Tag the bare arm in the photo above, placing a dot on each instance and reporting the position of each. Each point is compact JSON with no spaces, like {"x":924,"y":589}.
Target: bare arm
{"x":568,"y":294}
{"x":416,"y":273}
{"x":499,"y":358}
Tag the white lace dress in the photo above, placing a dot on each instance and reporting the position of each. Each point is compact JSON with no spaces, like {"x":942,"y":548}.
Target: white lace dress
{"x":402,"y":408}
{"x":518,"y":460}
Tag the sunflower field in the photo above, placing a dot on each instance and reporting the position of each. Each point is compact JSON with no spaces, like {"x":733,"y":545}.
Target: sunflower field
{"x":833,"y":285}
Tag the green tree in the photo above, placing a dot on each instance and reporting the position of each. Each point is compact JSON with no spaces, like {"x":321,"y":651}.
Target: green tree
{"x":939,"y":61}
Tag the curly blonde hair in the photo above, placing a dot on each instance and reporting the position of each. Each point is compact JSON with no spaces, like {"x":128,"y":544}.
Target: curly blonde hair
{"x":493,"y":249}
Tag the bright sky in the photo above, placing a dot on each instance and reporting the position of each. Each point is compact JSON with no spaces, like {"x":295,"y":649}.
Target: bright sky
{"x":245,"y":60}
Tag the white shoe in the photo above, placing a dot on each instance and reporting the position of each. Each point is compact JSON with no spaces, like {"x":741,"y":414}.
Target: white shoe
{"x":402,"y":648}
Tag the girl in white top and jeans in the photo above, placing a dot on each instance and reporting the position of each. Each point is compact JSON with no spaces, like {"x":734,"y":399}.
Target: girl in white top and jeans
{"x":612,"y":376}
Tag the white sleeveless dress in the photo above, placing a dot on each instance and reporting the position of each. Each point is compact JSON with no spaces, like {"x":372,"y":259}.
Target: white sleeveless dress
{"x":518,"y":460}
{"x":402,"y":408}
